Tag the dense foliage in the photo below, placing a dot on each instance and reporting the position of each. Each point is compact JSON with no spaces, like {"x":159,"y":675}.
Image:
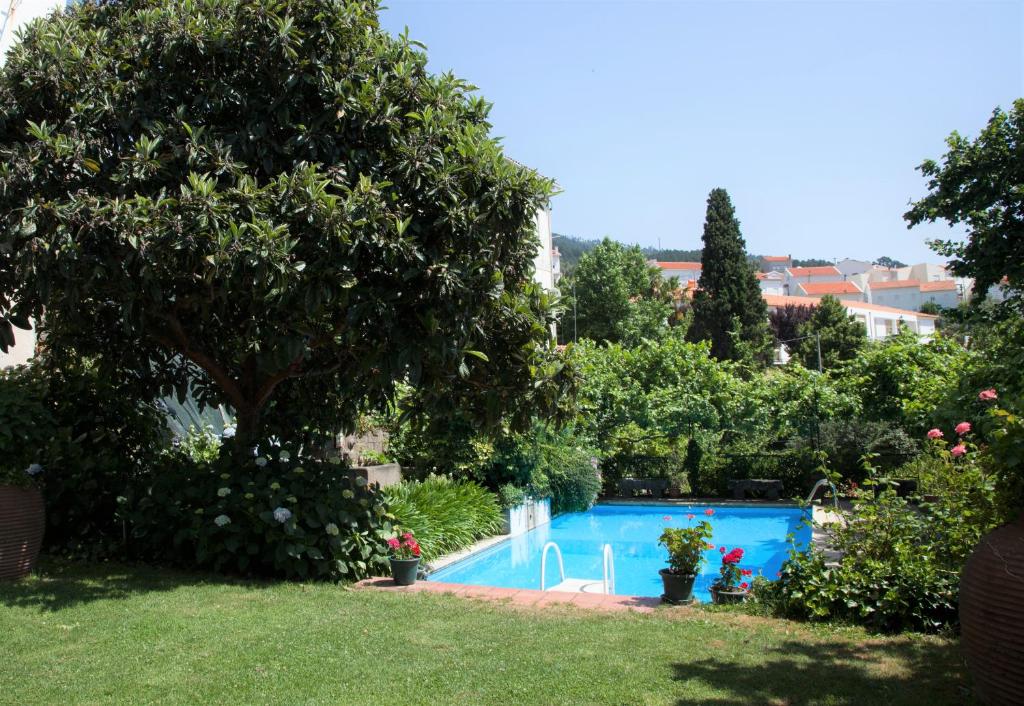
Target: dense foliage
{"x":444,"y":515}
{"x":273,"y":206}
{"x":614,"y":295}
{"x":279,"y":513}
{"x":728,"y":308}
{"x":980,"y":184}
{"x":830,"y":333}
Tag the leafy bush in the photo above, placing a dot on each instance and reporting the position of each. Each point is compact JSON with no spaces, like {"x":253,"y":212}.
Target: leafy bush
{"x":27,"y":427}
{"x":686,"y":546}
{"x":510,"y":495}
{"x":846,"y":442}
{"x":274,"y":515}
{"x":445,"y":515}
{"x":91,"y":438}
{"x":900,"y":564}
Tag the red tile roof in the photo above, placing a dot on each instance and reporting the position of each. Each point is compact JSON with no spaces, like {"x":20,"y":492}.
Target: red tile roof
{"x":814,"y":271}
{"x":943,"y":285}
{"x":819,"y":288}
{"x":897,"y":284}
{"x":776,"y":258}
{"x":679,"y":265}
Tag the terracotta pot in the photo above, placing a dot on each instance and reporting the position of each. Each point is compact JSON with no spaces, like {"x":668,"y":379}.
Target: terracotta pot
{"x":22,"y":522}
{"x":992,"y":615}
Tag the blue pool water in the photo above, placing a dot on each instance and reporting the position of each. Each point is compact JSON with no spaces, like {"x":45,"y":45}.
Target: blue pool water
{"x":632,"y":531}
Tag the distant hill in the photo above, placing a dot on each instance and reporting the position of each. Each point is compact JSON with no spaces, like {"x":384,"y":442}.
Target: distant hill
{"x":572,"y":248}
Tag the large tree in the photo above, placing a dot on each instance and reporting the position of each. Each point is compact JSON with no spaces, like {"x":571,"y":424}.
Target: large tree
{"x":841,"y":336}
{"x":274,"y":205}
{"x":980,"y":184}
{"x":619,"y":297}
{"x":728,"y":307}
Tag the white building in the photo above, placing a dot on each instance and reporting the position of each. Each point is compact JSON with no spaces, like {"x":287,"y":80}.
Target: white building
{"x":776,"y":263}
{"x":686,"y":271}
{"x":544,"y":270}
{"x":845,"y":291}
{"x":879,"y":321}
{"x":772,"y":282}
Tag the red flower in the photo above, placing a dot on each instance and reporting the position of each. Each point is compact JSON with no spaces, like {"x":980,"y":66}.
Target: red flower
{"x":722,"y":549}
{"x":744,"y":584}
{"x":416,"y":550}
{"x":710,"y":546}
{"x":746,"y":572}
{"x":709,"y":512}
{"x":690,"y":515}
{"x":733,"y":557}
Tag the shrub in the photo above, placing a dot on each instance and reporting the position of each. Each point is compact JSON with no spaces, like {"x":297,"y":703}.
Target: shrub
{"x":845,"y":443}
{"x":445,"y":515}
{"x":91,"y":438}
{"x":510,"y":495}
{"x":900,"y":564}
{"x":277,"y":514}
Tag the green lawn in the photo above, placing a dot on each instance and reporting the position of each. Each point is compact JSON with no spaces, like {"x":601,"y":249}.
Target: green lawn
{"x":115,"y":634}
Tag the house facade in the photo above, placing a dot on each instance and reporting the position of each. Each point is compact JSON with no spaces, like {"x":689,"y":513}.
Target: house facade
{"x":879,"y":321}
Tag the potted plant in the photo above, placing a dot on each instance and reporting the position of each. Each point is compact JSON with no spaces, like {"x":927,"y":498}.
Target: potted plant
{"x":730,"y":586}
{"x":686,"y":546}
{"x":405,"y":559}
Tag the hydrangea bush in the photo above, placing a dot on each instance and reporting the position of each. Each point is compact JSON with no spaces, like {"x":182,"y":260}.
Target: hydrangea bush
{"x":276,"y":513}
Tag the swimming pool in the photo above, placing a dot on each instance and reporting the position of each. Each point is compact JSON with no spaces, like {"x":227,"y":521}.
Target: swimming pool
{"x":632,"y":530}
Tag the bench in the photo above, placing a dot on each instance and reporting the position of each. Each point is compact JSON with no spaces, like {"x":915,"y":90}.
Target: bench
{"x":769,"y":489}
{"x":631,"y":487}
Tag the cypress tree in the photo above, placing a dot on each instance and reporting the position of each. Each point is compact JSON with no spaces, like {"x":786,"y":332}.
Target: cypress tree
{"x":728,"y":309}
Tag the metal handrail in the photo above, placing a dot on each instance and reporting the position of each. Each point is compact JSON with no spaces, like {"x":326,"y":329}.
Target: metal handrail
{"x":609,"y":570}
{"x":544,"y":563}
{"x":819,"y":484}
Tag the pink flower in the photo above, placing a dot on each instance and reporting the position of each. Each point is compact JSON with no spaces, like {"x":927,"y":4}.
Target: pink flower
{"x":667,"y":518}
{"x":722,"y":549}
{"x":934,"y":433}
{"x":709,"y":512}
{"x":393,"y":543}
{"x":958,"y":450}
{"x":690,"y":515}
{"x":963,"y":427}
{"x":988,"y":395}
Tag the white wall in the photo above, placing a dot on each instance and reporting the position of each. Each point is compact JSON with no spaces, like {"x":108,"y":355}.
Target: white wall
{"x":853,"y":267}
{"x":24,"y":348}
{"x":14,"y":15}
{"x":544,"y":273}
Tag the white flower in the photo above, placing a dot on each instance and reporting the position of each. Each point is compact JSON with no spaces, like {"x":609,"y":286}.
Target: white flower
{"x":223,"y":492}
{"x":284,"y":456}
{"x":228,"y":433}
{"x":261,"y":461}
{"x":221,"y":520}
{"x":34,"y":470}
{"x":332,"y":529}
{"x":282,"y":514}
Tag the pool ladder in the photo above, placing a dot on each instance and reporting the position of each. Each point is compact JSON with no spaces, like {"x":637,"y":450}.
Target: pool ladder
{"x":578,"y":585}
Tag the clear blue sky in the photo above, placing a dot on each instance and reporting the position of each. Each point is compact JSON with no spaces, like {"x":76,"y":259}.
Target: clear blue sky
{"x":813,"y":115}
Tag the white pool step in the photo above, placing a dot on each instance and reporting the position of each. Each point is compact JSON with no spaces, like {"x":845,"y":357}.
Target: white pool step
{"x":579,"y":586}
{"x":570,"y":585}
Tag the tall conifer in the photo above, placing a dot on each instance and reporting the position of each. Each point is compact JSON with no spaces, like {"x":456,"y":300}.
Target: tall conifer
{"x":728,"y":309}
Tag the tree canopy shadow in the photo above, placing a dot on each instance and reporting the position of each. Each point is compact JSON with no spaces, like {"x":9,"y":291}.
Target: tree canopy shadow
{"x":869,"y":672}
{"x":58,"y":584}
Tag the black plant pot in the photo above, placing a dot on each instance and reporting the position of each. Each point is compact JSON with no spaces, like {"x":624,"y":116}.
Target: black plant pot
{"x":403,"y":571}
{"x":678,"y":587}
{"x":720,"y":597}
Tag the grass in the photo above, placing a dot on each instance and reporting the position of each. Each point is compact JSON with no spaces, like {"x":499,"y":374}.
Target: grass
{"x":116,"y":634}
